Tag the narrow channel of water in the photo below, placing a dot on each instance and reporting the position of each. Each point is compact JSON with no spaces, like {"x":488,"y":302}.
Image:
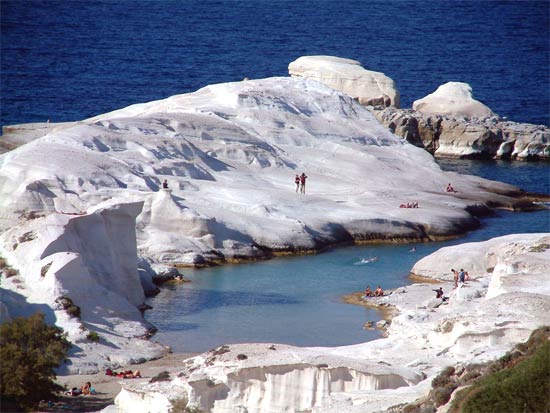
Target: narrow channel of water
{"x":297,"y":300}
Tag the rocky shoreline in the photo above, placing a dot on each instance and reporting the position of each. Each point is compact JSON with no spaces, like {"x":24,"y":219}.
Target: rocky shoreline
{"x":481,"y":320}
{"x":464,"y":138}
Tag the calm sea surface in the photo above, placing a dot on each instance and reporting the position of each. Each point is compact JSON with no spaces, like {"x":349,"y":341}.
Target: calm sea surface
{"x":68,"y":60}
{"x":298,"y":300}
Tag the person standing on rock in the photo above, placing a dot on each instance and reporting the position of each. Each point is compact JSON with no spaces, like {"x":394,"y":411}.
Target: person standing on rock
{"x":455,"y":277}
{"x":303,"y":178}
{"x":297,"y":182}
{"x":462,"y":276}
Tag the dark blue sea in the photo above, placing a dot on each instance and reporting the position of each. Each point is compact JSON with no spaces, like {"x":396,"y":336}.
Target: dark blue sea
{"x":68,"y":60}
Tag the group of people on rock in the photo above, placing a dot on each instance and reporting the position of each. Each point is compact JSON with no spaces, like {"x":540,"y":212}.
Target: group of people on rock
{"x":376,"y":293}
{"x":460,"y":276}
{"x":128,"y":374}
{"x":300,"y":181}
{"x":409,"y":205}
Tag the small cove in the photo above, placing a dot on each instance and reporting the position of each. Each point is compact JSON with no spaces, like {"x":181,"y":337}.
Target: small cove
{"x":297,"y":300}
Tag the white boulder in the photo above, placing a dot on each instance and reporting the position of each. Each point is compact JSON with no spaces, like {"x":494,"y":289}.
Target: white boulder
{"x":453,"y":99}
{"x":349,"y":77}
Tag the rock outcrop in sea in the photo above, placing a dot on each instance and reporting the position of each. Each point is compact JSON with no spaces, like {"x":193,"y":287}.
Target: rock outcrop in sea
{"x":473,"y":138}
{"x":453,"y":99}
{"x":448,"y":122}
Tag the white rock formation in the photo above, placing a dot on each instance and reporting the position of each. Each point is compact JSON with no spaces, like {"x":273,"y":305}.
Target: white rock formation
{"x":349,"y":77}
{"x":453,"y":99}
{"x":482,"y":320}
{"x":229,"y":153}
{"x":90,"y":258}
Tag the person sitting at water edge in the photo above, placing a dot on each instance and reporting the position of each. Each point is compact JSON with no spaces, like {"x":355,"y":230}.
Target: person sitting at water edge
{"x":368,"y":292}
{"x":378,"y":292}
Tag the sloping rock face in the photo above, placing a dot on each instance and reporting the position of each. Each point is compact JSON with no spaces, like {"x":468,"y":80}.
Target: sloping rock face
{"x":349,"y":77}
{"x":230,"y":153}
{"x":489,"y":138}
{"x":481,"y":320}
{"x":14,"y":136}
{"x":453,"y":99}
{"x":86,"y":261}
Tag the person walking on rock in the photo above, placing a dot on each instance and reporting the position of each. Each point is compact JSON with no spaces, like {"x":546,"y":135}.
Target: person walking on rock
{"x":303,"y":178}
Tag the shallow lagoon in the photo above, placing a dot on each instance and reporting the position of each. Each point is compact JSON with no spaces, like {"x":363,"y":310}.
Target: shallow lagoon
{"x":297,"y":300}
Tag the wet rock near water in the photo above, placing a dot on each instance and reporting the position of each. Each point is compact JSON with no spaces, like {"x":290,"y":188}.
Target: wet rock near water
{"x":467,"y":138}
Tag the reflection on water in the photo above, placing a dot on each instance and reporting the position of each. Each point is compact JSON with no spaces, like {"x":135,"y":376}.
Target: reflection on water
{"x":297,"y":300}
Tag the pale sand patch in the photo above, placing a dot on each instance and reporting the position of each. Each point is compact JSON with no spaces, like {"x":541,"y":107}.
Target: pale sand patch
{"x":107,"y":387}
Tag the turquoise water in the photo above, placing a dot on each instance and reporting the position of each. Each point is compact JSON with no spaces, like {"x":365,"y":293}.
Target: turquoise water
{"x":297,"y":300}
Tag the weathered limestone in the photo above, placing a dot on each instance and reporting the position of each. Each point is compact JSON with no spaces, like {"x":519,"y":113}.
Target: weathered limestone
{"x":88,"y":260}
{"x":489,"y":138}
{"x":349,"y":77}
{"x":453,"y":99}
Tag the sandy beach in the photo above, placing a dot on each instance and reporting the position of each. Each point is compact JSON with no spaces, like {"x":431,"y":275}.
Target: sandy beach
{"x":107,"y":387}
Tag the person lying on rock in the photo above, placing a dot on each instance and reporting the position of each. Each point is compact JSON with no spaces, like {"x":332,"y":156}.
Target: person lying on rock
{"x":129,"y":374}
{"x":86,"y":389}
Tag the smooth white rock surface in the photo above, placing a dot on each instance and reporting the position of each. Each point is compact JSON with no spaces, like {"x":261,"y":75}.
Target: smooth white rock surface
{"x":230,"y":153}
{"x":349,"y":77}
{"x":453,"y":99}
